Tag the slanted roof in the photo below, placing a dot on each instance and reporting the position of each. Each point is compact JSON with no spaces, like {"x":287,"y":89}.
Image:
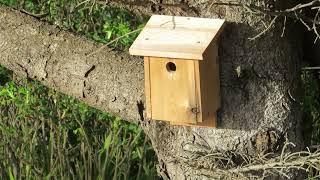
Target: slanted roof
{"x":176,"y":37}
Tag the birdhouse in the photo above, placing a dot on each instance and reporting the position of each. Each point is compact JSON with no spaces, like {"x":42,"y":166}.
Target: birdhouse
{"x":181,"y":69}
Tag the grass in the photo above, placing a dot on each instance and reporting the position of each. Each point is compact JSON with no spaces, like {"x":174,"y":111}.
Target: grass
{"x":99,"y":22}
{"x":310,"y":105}
{"x":47,"y":135}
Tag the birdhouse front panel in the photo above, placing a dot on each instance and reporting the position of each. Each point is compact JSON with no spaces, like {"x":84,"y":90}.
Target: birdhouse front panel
{"x":181,"y":69}
{"x":172,"y":89}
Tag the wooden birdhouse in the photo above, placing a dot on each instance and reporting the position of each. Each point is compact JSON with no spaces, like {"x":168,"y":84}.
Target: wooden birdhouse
{"x":181,"y":69}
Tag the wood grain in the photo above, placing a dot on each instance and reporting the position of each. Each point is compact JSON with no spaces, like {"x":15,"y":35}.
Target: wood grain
{"x":147,"y":87}
{"x":176,"y":37}
{"x":210,"y":85}
{"x":207,"y":89}
{"x":173,"y":94}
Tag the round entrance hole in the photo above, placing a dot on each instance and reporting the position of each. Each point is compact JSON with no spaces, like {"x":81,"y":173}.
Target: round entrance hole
{"x":171,"y":67}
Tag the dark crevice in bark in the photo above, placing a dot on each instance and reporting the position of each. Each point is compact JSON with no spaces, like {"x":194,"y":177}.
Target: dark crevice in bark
{"x":141,"y":109}
{"x":45,"y":68}
{"x":162,"y":170}
{"x":89,"y":71}
{"x":86,"y":75}
{"x":25,"y":70}
{"x":84,"y":89}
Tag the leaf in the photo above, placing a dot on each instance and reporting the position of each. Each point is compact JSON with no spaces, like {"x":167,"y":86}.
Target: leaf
{"x":238,"y":71}
{"x":108,"y":35}
{"x":11,"y":177}
{"x":107,"y":142}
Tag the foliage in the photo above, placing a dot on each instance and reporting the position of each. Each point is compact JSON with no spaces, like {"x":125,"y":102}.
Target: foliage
{"x":99,"y":22}
{"x":4,"y":76}
{"x":48,"y":135}
{"x":311,"y":105}
{"x":45,"y":134}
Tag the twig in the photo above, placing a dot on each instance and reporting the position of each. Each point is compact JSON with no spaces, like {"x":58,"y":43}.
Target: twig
{"x":114,"y":40}
{"x":295,"y":12}
{"x":32,"y":14}
{"x":311,"y":68}
{"x":284,"y":26}
{"x":83,"y":2}
{"x":314,"y":27}
{"x":265,"y":30}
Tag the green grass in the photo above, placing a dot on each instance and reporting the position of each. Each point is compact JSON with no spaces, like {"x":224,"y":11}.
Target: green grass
{"x":98,"y":22}
{"x":311,"y":107}
{"x":47,"y":135}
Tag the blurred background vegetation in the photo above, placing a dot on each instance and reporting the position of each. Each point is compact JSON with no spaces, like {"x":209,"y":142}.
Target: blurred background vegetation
{"x":99,"y":22}
{"x":48,"y":135}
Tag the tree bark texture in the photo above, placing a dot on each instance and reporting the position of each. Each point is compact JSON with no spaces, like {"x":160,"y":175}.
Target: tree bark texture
{"x":258,"y":79}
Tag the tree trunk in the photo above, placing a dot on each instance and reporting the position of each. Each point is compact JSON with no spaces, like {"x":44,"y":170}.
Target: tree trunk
{"x":258,"y":79}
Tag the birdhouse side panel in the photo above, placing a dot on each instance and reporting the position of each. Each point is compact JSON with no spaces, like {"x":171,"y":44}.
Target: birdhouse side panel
{"x":147,"y":87}
{"x":210,"y":85}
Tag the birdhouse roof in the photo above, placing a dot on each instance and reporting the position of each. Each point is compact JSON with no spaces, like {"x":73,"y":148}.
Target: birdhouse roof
{"x":176,"y":37}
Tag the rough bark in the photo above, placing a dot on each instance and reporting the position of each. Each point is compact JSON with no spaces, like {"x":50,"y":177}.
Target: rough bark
{"x":257,"y":112}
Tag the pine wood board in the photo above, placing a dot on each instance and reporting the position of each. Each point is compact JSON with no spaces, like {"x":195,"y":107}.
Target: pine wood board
{"x":176,"y":37}
{"x":172,"y":95}
{"x":147,"y":89}
{"x":208,"y":89}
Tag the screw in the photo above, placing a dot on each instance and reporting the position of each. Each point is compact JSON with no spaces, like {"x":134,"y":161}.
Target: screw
{"x":195,"y":110}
